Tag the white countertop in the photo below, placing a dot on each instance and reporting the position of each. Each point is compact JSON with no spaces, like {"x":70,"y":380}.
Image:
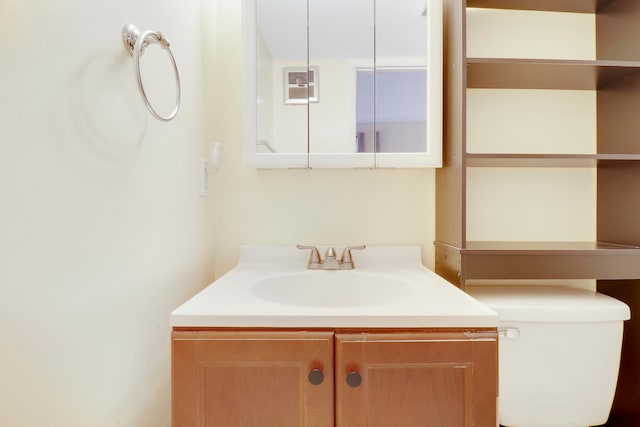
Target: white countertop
{"x":232,"y":300}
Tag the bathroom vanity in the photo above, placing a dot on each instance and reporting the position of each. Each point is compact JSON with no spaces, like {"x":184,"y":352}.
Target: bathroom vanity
{"x":261,"y":346}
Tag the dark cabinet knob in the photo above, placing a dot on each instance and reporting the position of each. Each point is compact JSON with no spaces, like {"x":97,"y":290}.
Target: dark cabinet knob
{"x":316,"y":377}
{"x":354,"y":379}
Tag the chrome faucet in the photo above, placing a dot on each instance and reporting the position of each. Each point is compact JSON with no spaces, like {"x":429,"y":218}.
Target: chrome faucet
{"x":330,"y":261}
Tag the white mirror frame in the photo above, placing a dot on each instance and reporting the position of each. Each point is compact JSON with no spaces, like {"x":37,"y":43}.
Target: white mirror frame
{"x":432,"y":158}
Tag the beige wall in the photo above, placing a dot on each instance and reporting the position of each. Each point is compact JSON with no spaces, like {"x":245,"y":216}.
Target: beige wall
{"x":302,"y":206}
{"x":394,"y":206}
{"x":530,"y":34}
{"x":531,"y":204}
{"x":102,"y":230}
{"x":548,"y":204}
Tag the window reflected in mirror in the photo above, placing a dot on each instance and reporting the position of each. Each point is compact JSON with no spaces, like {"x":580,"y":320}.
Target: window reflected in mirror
{"x":400,"y":124}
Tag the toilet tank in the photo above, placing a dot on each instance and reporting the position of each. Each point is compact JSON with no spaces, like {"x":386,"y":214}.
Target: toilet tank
{"x":559,"y":354}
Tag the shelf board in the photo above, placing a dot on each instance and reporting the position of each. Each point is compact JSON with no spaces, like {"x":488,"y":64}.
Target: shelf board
{"x":517,"y":73}
{"x":578,"y":6}
{"x":548,"y":160}
{"x":542,"y":248}
{"x":541,"y":260}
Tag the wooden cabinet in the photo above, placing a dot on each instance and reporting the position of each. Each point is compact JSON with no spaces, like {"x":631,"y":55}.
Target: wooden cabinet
{"x":445,"y":378}
{"x":614,"y":76}
{"x":248,"y":379}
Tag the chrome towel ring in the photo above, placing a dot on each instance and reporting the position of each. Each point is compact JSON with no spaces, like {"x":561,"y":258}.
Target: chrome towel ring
{"x":136,"y":42}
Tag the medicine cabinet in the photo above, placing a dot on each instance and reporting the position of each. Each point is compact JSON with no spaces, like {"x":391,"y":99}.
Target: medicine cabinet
{"x":335,"y":84}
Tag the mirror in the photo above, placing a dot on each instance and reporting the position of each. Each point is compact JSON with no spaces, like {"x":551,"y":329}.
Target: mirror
{"x":334,"y":83}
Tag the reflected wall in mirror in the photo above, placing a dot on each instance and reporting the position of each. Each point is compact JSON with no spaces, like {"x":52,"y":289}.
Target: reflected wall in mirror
{"x":337,"y":83}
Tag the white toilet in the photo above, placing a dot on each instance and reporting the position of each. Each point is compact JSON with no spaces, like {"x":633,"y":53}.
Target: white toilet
{"x":559,"y":354}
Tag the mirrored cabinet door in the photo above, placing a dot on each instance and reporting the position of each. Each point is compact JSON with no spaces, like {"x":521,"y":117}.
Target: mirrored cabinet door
{"x":278,"y":78}
{"x":343,"y":83}
{"x":282,"y":76}
{"x":408,"y":83}
{"x":341,"y":42}
{"x":401,"y":77}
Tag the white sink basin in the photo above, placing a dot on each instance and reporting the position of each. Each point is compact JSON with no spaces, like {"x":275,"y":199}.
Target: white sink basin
{"x":350,"y":288}
{"x":389,"y":288}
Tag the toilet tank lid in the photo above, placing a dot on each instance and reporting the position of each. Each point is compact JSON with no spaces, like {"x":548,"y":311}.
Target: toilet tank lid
{"x":550,"y":304}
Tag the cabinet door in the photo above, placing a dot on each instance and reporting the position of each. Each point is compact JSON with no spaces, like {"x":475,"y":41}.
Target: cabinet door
{"x":416,"y":379}
{"x":248,"y":379}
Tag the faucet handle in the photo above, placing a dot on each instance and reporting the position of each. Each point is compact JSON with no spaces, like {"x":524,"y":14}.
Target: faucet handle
{"x":314,"y":259}
{"x":346,"y":254}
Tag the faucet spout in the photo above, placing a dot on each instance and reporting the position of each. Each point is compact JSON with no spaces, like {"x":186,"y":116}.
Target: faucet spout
{"x":330,"y":262}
